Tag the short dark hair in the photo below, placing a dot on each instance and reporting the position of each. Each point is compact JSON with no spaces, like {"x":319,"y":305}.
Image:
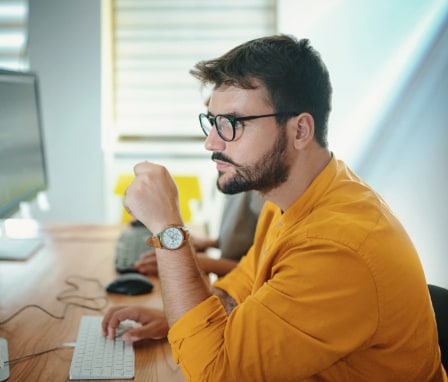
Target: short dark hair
{"x":292,"y":71}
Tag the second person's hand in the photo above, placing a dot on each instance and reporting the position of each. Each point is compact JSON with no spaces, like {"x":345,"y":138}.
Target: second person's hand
{"x":147,"y":264}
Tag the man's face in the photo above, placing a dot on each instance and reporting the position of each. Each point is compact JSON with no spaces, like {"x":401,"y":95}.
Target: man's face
{"x":258,"y":159}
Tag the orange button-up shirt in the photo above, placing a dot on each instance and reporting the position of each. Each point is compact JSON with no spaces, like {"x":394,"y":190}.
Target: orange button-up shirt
{"x":332,"y":290}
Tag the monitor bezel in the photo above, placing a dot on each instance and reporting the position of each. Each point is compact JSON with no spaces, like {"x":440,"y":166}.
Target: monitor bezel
{"x":13,"y":205}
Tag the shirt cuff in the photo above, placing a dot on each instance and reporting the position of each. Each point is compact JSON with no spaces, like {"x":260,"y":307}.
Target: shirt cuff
{"x":188,"y":332}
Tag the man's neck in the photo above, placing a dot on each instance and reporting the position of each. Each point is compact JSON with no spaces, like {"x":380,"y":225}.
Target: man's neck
{"x":303,"y":172}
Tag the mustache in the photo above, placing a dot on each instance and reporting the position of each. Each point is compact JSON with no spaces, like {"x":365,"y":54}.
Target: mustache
{"x":221,"y":157}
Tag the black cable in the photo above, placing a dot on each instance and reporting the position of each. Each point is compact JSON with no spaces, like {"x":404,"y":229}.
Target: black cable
{"x":23,"y":357}
{"x":63,"y":297}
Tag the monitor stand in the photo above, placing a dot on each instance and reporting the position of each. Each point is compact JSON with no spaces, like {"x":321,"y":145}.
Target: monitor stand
{"x":19,"y":239}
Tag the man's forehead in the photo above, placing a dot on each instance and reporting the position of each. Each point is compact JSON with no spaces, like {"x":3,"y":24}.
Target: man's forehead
{"x":229,"y":99}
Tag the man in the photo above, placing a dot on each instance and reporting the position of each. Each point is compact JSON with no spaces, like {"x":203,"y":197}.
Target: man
{"x":332,"y":288}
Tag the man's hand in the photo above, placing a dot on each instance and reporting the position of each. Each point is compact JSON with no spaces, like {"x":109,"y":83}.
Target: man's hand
{"x":152,"y":197}
{"x":153,"y":323}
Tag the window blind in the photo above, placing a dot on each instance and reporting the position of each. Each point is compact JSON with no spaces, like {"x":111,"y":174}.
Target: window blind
{"x":157,"y":42}
{"x":13,"y":33}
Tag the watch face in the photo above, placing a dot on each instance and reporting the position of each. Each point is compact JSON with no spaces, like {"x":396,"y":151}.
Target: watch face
{"x":172,"y":238}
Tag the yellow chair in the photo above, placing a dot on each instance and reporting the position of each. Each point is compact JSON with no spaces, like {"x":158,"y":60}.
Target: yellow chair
{"x":189,"y":190}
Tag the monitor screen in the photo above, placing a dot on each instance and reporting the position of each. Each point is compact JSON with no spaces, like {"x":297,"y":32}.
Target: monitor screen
{"x":22,"y":161}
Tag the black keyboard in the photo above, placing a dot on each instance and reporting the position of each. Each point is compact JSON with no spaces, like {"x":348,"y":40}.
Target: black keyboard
{"x":130,"y":245}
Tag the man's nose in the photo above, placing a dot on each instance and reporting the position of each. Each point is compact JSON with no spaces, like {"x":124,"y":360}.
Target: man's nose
{"x":214,"y":142}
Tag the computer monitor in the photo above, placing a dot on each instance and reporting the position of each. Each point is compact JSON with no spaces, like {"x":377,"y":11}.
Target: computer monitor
{"x":22,"y":158}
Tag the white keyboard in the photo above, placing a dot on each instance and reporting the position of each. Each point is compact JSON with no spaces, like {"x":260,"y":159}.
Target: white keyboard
{"x":19,"y":248}
{"x":97,"y":357}
{"x":4,"y":360}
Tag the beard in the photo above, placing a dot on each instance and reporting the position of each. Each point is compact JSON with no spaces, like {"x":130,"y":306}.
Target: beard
{"x":266,"y":174}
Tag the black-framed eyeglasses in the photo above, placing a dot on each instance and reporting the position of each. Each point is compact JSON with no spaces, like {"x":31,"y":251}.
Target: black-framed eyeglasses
{"x":228,"y":127}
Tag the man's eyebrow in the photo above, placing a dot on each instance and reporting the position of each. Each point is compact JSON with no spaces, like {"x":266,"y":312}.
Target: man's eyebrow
{"x":231,"y":114}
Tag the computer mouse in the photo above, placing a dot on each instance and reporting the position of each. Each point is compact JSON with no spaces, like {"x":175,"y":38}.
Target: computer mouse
{"x":131,"y":284}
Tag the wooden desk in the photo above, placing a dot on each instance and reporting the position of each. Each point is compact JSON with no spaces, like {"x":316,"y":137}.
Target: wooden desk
{"x":86,"y":251}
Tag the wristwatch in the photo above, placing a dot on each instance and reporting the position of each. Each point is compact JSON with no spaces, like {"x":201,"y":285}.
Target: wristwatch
{"x":172,"y":237}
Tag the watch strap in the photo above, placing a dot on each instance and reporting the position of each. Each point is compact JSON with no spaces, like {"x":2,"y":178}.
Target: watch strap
{"x":154,"y":241}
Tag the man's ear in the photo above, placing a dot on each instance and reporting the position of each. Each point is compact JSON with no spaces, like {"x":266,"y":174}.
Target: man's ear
{"x":304,"y":130}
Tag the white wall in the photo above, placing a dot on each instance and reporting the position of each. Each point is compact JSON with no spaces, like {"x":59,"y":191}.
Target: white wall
{"x":389,"y":118}
{"x":65,"y":51}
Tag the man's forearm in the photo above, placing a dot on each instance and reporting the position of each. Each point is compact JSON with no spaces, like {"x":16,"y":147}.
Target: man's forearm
{"x":218,"y":266}
{"x":227,"y":301}
{"x":182,"y":284}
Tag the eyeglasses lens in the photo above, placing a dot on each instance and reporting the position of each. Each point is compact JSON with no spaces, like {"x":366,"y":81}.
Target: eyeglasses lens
{"x":225,"y":128}
{"x":205,"y":124}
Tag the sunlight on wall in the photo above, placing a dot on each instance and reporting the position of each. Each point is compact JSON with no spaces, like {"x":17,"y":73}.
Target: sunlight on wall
{"x":370,"y":48}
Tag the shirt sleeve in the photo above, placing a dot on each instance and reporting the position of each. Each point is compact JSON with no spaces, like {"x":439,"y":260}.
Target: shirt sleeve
{"x":197,"y":335}
{"x":266,"y":331}
{"x":238,"y":282}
